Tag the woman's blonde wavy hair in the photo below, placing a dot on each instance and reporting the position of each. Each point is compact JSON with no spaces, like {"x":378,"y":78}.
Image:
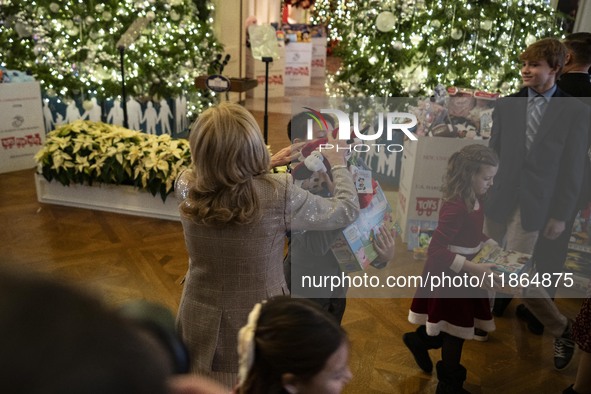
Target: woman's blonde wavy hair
{"x":461,"y":169}
{"x":228,"y":151}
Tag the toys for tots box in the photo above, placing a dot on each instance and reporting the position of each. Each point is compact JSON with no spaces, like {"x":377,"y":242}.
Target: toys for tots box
{"x":22,"y":131}
{"x":256,"y":69}
{"x":319,"y":56}
{"x":298,"y":64}
{"x":419,"y":194}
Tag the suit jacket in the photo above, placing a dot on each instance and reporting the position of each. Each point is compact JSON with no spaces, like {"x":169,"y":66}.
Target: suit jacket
{"x":579,"y":85}
{"x":546,"y":181}
{"x":233,"y":267}
{"x":575,"y":84}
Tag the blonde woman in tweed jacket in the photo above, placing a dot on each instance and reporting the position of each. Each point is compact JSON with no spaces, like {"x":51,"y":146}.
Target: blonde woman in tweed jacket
{"x":235,"y":215}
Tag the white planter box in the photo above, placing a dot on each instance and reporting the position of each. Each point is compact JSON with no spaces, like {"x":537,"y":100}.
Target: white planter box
{"x":112,"y":198}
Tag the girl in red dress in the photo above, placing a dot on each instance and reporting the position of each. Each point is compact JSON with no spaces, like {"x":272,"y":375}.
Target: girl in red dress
{"x":448,"y":314}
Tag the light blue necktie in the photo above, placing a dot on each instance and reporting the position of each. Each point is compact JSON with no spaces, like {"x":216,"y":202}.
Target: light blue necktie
{"x":536,"y":108}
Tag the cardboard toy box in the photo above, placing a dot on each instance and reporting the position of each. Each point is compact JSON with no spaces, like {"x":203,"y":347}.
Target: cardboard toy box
{"x":354,"y":249}
{"x":319,"y":56}
{"x":298,"y":64}
{"x":316,"y":34}
{"x":22,"y":130}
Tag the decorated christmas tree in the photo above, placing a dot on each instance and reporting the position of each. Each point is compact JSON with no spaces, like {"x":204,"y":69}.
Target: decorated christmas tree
{"x":407,"y":47}
{"x":70,"y":46}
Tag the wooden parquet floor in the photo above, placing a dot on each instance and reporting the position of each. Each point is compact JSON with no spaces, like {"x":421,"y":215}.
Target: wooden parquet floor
{"x":122,"y":258}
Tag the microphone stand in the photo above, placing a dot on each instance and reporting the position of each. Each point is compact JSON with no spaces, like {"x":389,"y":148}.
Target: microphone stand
{"x":123,"y":96}
{"x":267,"y":60}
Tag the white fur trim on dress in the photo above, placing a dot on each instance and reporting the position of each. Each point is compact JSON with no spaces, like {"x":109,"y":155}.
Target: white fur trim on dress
{"x":458,"y":263}
{"x":434,"y":329}
{"x":464,"y":249}
{"x":491,"y":242}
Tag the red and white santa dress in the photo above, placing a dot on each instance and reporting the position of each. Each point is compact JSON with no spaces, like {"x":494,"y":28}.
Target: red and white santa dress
{"x":456,"y":310}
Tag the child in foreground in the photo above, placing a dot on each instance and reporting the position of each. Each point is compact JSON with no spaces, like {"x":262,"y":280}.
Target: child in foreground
{"x":292,"y":346}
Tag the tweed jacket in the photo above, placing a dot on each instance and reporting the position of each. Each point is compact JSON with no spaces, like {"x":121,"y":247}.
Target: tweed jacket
{"x":233,"y":267}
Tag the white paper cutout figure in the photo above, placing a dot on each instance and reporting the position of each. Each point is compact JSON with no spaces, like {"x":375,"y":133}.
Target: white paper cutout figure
{"x":116,"y":114}
{"x":134,"y":114}
{"x":95,"y":113}
{"x":382,"y":162}
{"x":72,"y":112}
{"x":164,"y":116}
{"x":151,"y":118}
{"x":59,"y":120}
{"x":369,"y":156}
{"x":47,"y":117}
{"x":391,"y":163}
{"x":180,"y":110}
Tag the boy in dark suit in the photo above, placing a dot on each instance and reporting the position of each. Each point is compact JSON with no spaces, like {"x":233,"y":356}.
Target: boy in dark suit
{"x":550,"y":254}
{"x":541,"y":138}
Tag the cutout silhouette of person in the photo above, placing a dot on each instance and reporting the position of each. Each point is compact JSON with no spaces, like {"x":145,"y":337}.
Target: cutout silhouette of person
{"x":94,"y":113}
{"x":134,"y":114}
{"x":150,"y":118}
{"x":164,"y":116}
{"x":47,"y":116}
{"x":72,"y":112}
{"x":180,"y":109}
{"x":115,"y":115}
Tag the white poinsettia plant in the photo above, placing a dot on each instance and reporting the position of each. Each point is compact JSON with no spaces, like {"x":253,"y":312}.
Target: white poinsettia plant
{"x":88,"y":152}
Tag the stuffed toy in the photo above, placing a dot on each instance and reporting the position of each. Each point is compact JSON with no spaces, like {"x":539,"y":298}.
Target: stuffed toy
{"x":313,"y":173}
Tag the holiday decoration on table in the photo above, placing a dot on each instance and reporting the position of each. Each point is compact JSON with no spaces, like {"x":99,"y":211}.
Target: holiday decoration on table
{"x":70,"y":47}
{"x":406,"y":47}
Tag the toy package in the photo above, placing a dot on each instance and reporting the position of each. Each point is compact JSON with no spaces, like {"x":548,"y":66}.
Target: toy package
{"x":455,"y":112}
{"x":354,"y":248}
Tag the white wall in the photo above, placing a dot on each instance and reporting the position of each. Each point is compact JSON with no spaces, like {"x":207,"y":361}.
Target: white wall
{"x":229,"y":29}
{"x":583,"y":22}
{"x":266,"y":11}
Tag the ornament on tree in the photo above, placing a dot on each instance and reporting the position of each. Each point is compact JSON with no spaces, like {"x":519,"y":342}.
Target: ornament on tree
{"x":530,"y":39}
{"x":23,"y":30}
{"x":385,"y":21}
{"x":486,"y":25}
{"x":456,"y":34}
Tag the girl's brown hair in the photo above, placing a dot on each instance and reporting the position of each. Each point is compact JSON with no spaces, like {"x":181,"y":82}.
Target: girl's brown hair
{"x":293,"y":335}
{"x":461,"y":168}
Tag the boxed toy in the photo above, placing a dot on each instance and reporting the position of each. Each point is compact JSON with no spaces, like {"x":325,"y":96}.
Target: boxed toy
{"x":578,"y":259}
{"x":455,"y":112}
{"x":354,"y":248}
